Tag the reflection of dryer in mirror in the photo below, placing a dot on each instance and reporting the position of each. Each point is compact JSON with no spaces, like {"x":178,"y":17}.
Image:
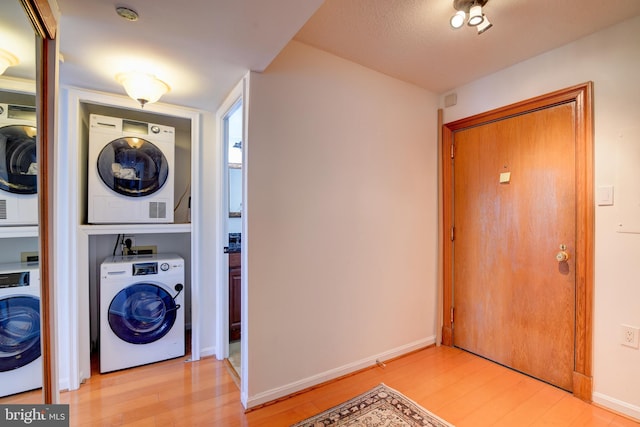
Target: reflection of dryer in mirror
{"x":18,"y":165}
{"x":131,"y":171}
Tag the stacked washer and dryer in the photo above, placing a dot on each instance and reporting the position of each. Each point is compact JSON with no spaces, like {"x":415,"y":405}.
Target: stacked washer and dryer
{"x":20,"y":351}
{"x":131,"y":181}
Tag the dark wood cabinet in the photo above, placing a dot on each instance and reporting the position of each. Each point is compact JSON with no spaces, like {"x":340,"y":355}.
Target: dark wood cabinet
{"x":234,"y":296}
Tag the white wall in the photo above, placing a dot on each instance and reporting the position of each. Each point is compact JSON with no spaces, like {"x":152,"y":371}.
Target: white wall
{"x":207,"y":244}
{"x":611,"y":59}
{"x":342,"y":220}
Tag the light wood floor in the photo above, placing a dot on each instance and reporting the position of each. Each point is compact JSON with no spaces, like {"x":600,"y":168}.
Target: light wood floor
{"x":463,"y":389}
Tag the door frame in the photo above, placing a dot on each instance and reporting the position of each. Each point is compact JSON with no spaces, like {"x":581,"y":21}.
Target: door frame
{"x":582,"y":96}
{"x":222,"y":287}
{"x":239,"y":92}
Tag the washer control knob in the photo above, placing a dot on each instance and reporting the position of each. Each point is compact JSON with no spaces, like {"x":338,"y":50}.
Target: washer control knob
{"x":155,"y":129}
{"x":164,"y":266}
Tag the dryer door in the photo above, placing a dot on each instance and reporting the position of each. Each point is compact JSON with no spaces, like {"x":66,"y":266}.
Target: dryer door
{"x":19,"y":331}
{"x":133,"y":167}
{"x":142,"y":313}
{"x":18,"y":164}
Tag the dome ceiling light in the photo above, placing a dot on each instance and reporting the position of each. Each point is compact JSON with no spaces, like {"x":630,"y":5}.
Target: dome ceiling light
{"x":7,"y":59}
{"x":144,"y":88}
{"x":473,"y":10}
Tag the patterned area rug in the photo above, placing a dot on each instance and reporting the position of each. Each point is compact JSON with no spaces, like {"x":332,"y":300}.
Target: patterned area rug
{"x":381,"y":406}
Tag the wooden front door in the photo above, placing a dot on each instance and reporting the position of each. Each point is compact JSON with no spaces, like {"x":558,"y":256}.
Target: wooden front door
{"x":515,"y":200}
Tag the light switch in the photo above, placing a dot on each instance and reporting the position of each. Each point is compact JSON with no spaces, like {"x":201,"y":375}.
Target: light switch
{"x":604,"y":196}
{"x":505,"y":177}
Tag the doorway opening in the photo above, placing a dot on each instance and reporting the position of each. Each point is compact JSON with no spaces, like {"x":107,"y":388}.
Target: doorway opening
{"x":233,"y":130}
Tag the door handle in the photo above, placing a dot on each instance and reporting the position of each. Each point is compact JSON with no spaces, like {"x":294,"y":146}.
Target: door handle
{"x":563,"y":255}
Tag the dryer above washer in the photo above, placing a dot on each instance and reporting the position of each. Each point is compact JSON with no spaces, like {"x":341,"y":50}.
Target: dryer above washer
{"x":130,"y":172}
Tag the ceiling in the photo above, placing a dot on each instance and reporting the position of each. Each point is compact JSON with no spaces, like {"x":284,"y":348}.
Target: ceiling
{"x":17,"y":37}
{"x":202,"y":48}
{"x":413,"y":41}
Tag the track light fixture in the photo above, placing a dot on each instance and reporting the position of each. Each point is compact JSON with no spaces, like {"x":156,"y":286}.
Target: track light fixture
{"x":474,"y":10}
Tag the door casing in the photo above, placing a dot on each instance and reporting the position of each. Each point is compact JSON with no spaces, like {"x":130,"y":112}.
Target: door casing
{"x":582,"y":96}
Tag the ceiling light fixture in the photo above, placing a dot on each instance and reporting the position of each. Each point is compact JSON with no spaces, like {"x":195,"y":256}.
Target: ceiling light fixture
{"x":484,"y":25}
{"x":127,"y":13}
{"x":475,"y":15}
{"x":458,"y":19}
{"x":144,"y":88}
{"x":474,"y":10}
{"x":7,"y":60}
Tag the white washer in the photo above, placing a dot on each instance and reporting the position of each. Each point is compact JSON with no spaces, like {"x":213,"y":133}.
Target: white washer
{"x":18,"y":165}
{"x":130,"y":172}
{"x":20,"y":351}
{"x":141,"y":310}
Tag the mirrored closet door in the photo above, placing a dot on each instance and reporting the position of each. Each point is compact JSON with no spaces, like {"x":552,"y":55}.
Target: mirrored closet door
{"x":22,"y":364}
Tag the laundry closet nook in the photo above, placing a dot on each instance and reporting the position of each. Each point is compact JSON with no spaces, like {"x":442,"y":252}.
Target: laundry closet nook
{"x":130,"y":181}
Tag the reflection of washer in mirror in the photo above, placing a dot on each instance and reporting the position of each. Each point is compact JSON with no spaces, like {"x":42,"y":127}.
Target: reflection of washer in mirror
{"x":133,"y":167}
{"x":18,"y":165}
{"x":20,"y":322}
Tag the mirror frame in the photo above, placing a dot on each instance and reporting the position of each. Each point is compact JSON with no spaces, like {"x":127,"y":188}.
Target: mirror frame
{"x":45,"y":27}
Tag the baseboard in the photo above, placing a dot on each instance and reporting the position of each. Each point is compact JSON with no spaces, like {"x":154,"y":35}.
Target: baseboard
{"x":207,"y":351}
{"x":63,"y":384}
{"x":616,"y":405}
{"x":291,"y":388}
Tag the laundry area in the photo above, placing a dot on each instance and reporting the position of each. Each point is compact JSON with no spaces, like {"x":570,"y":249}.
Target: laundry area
{"x":138,"y":298}
{"x":135,"y":215}
{"x":128,"y":247}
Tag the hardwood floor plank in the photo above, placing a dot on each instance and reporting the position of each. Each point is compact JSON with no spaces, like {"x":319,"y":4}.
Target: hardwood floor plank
{"x":620,"y":421}
{"x":502,"y":405}
{"x":531,"y":409}
{"x":563,"y":413}
{"x":592,"y":416}
{"x":462,"y":388}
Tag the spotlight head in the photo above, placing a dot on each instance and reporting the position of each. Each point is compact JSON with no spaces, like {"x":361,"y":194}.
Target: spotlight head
{"x":475,"y":15}
{"x":484,"y":25}
{"x":457,"y":20}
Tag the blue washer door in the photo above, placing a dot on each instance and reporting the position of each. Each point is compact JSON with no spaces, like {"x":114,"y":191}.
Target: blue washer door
{"x":142,"y":313}
{"x":19,"y":331}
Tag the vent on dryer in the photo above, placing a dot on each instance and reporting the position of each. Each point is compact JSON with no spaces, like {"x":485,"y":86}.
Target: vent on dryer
{"x":3,"y":209}
{"x":157,"y":209}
